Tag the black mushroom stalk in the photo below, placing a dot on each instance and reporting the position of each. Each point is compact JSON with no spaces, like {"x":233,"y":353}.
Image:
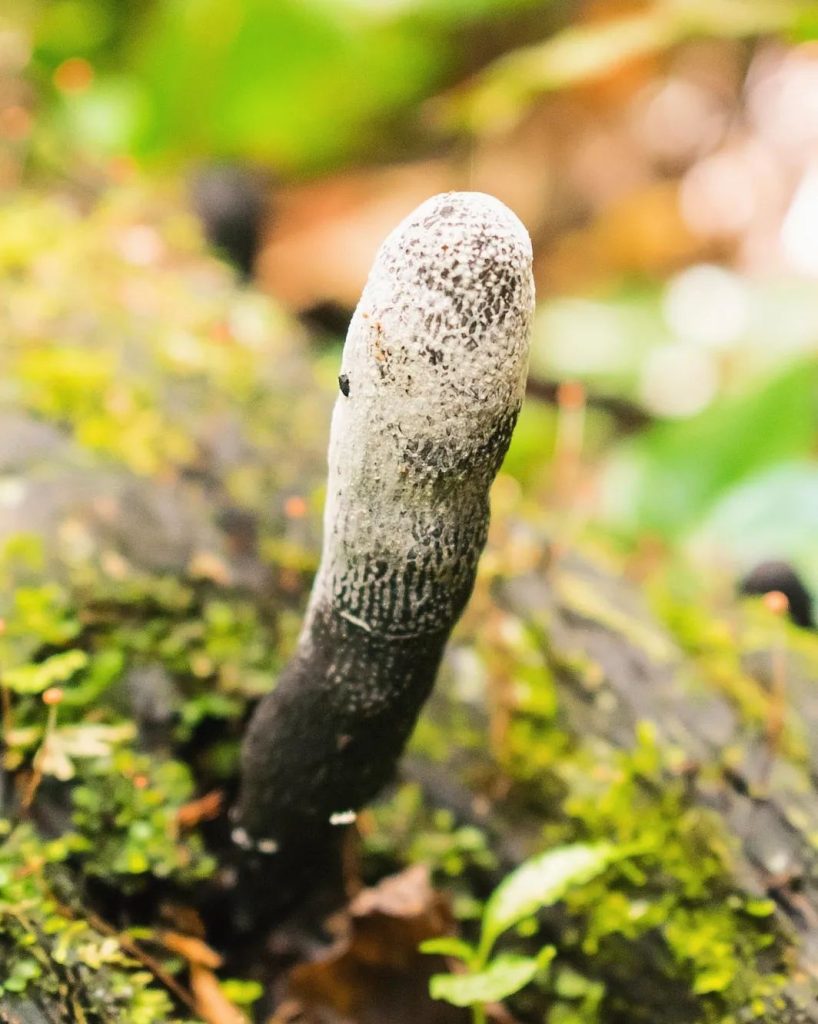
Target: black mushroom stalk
{"x":432,"y":378}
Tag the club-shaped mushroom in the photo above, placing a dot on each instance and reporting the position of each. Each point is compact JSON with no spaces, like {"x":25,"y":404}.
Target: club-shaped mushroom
{"x":432,"y":379}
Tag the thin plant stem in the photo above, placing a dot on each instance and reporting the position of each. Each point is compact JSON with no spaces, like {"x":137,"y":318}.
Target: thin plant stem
{"x":568,"y":448}
{"x":777,"y":603}
{"x":568,"y":445}
{"x":52,"y":698}
{"x":5,"y":709}
{"x":5,"y":697}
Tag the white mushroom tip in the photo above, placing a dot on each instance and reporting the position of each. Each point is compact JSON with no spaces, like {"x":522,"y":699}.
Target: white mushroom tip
{"x":479,"y":206}
{"x":472,"y":211}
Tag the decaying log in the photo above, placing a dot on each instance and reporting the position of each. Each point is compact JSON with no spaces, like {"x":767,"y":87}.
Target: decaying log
{"x":766,"y":799}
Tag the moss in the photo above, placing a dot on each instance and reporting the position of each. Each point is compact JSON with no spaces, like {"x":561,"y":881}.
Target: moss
{"x":580,"y":597}
{"x":721,"y":646}
{"x":126,"y":816}
{"x":161,"y":364}
{"x":712,"y":644}
{"x":407,"y":829}
{"x":141,"y":349}
{"x":46,"y":944}
{"x":217,"y":653}
{"x":672,"y":913}
{"x":135,"y":360}
{"x":678,"y":890}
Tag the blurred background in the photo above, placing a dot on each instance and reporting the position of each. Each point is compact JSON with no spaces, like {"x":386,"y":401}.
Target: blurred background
{"x":663,"y":154}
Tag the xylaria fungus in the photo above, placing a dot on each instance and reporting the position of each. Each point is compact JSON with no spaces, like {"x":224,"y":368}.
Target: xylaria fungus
{"x":432,"y":378}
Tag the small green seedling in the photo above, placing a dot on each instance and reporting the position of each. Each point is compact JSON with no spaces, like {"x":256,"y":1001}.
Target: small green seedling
{"x":539,"y":882}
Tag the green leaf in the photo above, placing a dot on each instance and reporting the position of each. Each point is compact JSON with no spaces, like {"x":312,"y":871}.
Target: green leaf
{"x":244,"y":61}
{"x":503,"y":977}
{"x":714,"y":979}
{"x":545,"y":956}
{"x":774,"y":510}
{"x":448,"y":945}
{"x":90,"y":740}
{"x":541,"y":882}
{"x":54,"y":670}
{"x":759,"y":907}
{"x":670,"y":478}
{"x":242,"y":992}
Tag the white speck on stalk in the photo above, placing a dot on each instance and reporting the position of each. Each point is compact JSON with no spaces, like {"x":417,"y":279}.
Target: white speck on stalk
{"x":342,"y":817}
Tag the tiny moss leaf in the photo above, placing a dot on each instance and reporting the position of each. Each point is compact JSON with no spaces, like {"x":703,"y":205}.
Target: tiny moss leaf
{"x":503,"y":977}
{"x":540,"y":882}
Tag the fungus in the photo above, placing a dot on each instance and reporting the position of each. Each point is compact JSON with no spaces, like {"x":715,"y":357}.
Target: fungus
{"x":231,"y":203}
{"x":432,"y":379}
{"x":781,"y":577}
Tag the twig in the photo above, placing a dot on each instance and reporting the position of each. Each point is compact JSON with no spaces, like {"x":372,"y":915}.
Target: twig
{"x":147,"y":961}
{"x":629,"y":417}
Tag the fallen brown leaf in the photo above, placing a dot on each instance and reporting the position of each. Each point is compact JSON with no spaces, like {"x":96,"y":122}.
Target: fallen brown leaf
{"x":206,"y":808}
{"x":374,"y":972}
{"x":193,"y":950}
{"x":212,"y":1004}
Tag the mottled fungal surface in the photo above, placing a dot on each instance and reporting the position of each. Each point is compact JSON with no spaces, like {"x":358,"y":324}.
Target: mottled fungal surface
{"x":431,"y":382}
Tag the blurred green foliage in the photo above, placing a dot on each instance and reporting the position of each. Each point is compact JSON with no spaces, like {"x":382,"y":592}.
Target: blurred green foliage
{"x":679,"y":470}
{"x":298,"y":84}
{"x":586,"y":52}
{"x":130,"y":343}
{"x":737,"y":477}
{"x":307,"y":84}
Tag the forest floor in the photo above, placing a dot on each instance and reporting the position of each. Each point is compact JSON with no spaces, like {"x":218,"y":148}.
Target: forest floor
{"x":162,"y":439}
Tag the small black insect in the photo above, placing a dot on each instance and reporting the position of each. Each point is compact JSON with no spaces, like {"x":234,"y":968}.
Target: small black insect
{"x":343,"y":384}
